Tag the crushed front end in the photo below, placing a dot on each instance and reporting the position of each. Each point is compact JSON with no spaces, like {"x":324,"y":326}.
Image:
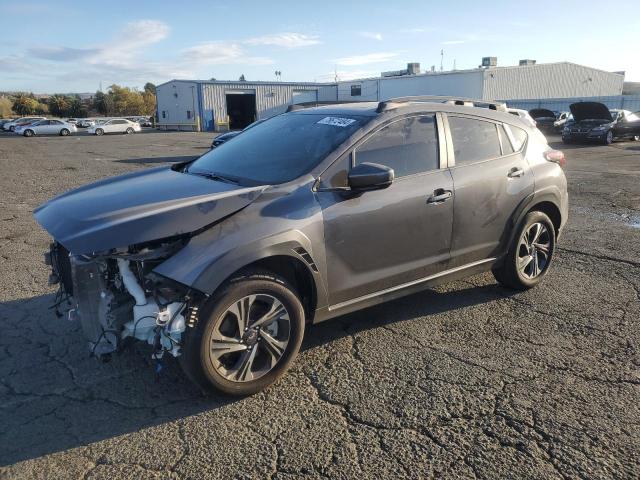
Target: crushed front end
{"x":115,"y":295}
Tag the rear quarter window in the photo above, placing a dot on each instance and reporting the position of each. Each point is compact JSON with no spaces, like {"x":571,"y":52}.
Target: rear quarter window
{"x":474,"y":140}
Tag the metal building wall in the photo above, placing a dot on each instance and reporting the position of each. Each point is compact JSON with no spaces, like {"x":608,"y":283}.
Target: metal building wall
{"x":553,"y":80}
{"x":175,"y":99}
{"x":271,"y":98}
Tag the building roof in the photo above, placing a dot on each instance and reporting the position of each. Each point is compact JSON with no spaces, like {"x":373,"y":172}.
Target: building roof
{"x":257,"y":82}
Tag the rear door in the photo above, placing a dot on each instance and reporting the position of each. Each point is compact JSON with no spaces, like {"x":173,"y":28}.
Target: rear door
{"x":384,"y":239}
{"x":54,"y":126}
{"x":491,"y":177}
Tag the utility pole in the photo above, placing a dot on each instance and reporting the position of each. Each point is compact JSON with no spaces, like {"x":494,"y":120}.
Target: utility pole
{"x":441,"y":59}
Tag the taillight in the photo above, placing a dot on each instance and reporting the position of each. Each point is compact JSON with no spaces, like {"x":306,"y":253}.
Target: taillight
{"x":555,"y":156}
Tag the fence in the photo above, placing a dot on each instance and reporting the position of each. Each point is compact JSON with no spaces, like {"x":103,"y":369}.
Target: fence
{"x":623,"y":102}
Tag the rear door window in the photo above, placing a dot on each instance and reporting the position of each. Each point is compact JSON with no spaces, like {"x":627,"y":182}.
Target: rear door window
{"x":408,"y":146}
{"x":473,"y":140}
{"x":518,"y":137}
{"x":507,"y":149}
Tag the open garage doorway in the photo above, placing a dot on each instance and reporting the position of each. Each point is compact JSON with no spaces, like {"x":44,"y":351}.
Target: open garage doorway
{"x":241,"y":108}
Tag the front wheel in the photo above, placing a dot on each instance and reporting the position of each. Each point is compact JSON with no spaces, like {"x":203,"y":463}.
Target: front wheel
{"x":530,"y":254}
{"x":635,"y":138}
{"x":99,"y":131}
{"x":64,"y":132}
{"x":608,"y":139}
{"x":29,"y":133}
{"x":247,"y":336}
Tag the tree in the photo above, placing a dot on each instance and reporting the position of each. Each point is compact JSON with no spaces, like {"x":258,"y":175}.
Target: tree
{"x":25,"y":105}
{"x":5,"y":107}
{"x":242,"y":79}
{"x":150,"y":88}
{"x":59,"y":105}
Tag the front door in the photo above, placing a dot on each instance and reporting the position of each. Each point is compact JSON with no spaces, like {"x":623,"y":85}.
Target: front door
{"x":491,"y":177}
{"x":385,"y":238}
{"x":627,"y":126}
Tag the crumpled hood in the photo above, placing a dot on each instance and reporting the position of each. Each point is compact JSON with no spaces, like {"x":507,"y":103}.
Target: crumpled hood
{"x":590,"y":111}
{"x":139,"y":207}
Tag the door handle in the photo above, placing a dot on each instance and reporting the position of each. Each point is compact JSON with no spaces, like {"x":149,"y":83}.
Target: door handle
{"x":515,"y":172}
{"x":439,"y":195}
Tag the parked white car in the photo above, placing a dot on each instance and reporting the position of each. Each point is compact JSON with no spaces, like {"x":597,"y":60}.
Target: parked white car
{"x":85,"y":123}
{"x":524,"y":115}
{"x":46,"y":127}
{"x":115,"y":125}
{"x":11,"y":126}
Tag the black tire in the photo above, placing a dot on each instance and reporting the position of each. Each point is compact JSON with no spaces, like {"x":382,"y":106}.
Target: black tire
{"x":635,"y":138}
{"x":29,"y":133}
{"x":64,"y":132}
{"x":608,"y":138}
{"x":99,"y":131}
{"x":196,"y":359}
{"x":12,"y":128}
{"x":566,"y":141}
{"x":129,"y":131}
{"x":508,"y":274}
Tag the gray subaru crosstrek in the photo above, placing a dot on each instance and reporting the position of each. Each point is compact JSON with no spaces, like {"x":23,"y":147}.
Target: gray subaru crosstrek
{"x":224,"y":261}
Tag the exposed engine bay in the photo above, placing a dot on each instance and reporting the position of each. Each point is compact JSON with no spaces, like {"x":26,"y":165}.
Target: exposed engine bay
{"x":116,"y":296}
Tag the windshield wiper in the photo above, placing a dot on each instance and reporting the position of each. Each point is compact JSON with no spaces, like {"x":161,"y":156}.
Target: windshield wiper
{"x":216,"y":177}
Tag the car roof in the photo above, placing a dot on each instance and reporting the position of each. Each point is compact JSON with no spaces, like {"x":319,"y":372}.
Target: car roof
{"x":371,"y":109}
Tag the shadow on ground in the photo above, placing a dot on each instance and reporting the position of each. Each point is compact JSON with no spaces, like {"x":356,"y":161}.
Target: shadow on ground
{"x":54,"y":397}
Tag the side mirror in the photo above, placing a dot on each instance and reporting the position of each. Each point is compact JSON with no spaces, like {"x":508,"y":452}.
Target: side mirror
{"x":370,"y":176}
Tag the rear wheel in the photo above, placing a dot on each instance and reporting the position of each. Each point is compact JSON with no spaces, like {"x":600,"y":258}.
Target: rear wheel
{"x":99,"y":131}
{"x":635,"y":138}
{"x":530,"y":254}
{"x":129,"y":131}
{"x":12,"y":128}
{"x":29,"y":133}
{"x":64,"y":132}
{"x":247,"y":337}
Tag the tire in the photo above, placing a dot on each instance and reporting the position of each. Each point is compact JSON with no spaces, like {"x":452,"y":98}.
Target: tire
{"x":635,"y":138}
{"x":29,"y":133}
{"x":99,"y":131}
{"x":223,"y":371}
{"x":64,"y":132}
{"x":12,"y":128}
{"x":516,"y":272}
{"x":566,"y":141}
{"x":129,"y":131}
{"x":608,"y":139}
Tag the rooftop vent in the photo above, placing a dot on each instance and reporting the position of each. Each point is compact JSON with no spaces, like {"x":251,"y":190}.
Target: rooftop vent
{"x":489,"y":62}
{"x":526,"y":62}
{"x":412,"y":69}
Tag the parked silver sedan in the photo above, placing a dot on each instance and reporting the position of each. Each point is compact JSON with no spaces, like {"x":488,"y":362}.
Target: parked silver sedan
{"x":46,"y":127}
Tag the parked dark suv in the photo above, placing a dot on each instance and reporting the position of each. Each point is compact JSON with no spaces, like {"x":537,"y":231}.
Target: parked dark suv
{"x":224,"y":261}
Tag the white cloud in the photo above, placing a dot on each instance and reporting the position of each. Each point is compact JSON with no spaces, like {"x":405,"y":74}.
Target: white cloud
{"x":372,"y":35}
{"x":221,"y":53}
{"x":366,"y":59}
{"x":286,"y":40}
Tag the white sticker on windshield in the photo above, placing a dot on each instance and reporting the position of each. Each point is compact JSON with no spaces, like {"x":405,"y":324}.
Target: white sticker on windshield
{"x":337,"y":121}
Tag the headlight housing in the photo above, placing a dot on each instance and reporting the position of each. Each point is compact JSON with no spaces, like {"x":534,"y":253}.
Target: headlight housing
{"x":601,"y":128}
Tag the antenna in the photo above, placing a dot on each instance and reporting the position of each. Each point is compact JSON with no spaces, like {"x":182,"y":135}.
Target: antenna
{"x":441,"y":59}
{"x":454,"y":63}
{"x":335,"y":76}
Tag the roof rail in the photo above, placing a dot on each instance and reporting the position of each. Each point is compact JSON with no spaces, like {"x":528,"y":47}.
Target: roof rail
{"x":303,"y":105}
{"x":467,"y":102}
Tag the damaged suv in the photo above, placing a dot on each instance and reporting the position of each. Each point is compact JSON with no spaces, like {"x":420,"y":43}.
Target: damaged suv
{"x":224,"y":261}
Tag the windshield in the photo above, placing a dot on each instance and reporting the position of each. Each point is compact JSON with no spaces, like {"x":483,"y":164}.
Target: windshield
{"x":280,"y":149}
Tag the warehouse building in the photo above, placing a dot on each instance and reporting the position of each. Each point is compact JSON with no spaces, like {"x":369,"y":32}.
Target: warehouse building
{"x":226,"y":105}
{"x":528,"y":80}
{"x":223,"y":105}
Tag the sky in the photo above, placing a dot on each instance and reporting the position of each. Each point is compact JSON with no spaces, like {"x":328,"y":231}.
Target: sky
{"x":49,"y":47}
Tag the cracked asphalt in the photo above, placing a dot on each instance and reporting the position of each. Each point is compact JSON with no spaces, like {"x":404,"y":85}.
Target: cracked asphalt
{"x":466,"y":381}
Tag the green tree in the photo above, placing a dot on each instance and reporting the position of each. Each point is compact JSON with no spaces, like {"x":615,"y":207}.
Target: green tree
{"x":5,"y":107}
{"x":59,"y":105}
{"x":150,"y":87}
{"x":25,"y":105}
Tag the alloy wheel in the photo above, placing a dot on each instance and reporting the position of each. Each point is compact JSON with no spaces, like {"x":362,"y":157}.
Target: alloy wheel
{"x":249,"y":338}
{"x":534,"y":251}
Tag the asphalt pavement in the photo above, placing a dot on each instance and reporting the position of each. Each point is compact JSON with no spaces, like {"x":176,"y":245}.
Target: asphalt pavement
{"x":466,"y":381}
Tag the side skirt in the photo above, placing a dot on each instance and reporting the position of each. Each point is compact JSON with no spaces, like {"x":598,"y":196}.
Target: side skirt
{"x":403,"y":290}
